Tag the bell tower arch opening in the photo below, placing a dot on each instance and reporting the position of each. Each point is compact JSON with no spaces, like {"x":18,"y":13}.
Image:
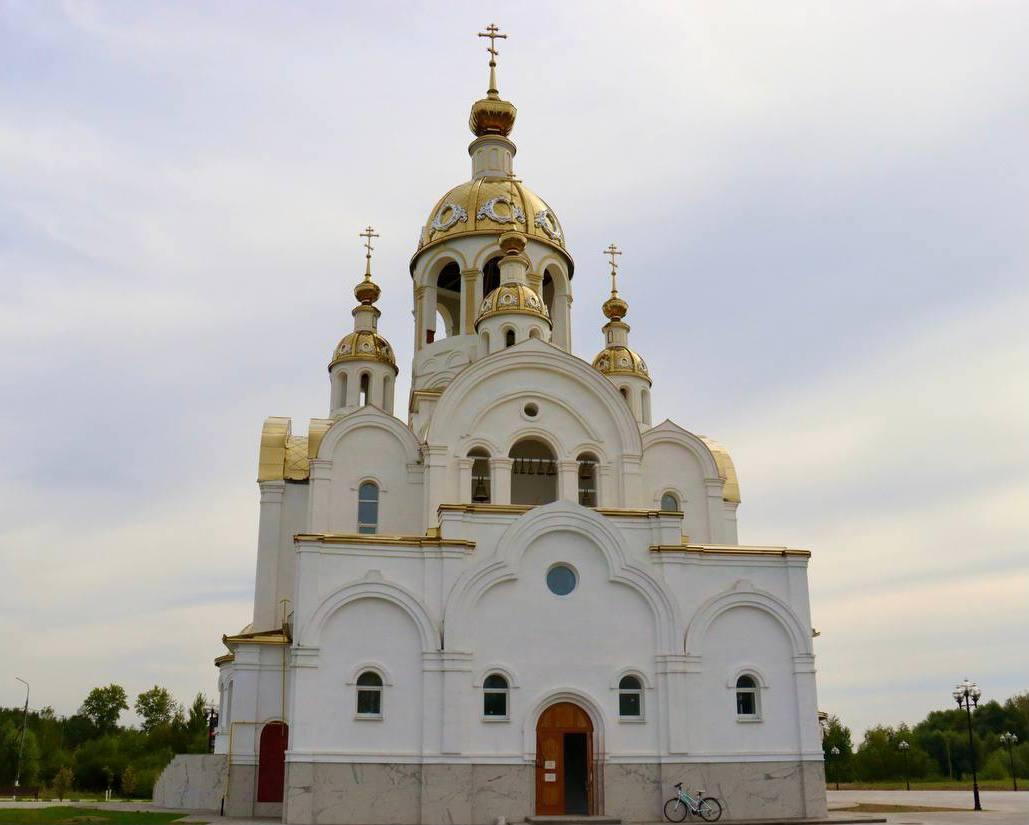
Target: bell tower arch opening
{"x":533,"y":473}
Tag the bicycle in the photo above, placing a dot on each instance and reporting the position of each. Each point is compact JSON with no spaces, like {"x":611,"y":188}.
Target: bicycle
{"x":707,"y":807}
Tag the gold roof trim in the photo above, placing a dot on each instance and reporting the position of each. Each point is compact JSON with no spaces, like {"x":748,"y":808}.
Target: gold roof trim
{"x":726,"y":469}
{"x":296,"y":466}
{"x":272,"y":460}
{"x":261,"y":637}
{"x":512,"y":298}
{"x":316,"y":430}
{"x":730,"y":550}
{"x":396,"y":541}
{"x":364,"y":345}
{"x":224,"y":659}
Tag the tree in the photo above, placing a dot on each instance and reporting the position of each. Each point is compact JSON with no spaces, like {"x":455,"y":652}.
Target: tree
{"x":156,"y":707}
{"x":62,"y":782}
{"x":104,"y":705}
{"x":128,"y":781}
{"x":837,"y":735}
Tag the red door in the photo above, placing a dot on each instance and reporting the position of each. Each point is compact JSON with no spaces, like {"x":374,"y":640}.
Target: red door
{"x":271,"y":763}
{"x":564,"y":769}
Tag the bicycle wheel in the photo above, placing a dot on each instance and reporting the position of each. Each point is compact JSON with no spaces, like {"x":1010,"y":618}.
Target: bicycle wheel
{"x":710,"y":809}
{"x":675,"y":810}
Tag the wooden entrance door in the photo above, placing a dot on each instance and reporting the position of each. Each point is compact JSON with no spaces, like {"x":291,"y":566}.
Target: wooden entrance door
{"x":271,"y":763}
{"x":564,"y":768}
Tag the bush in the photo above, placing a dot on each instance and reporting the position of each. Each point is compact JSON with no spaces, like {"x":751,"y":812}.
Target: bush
{"x":996,"y":766}
{"x":62,"y":782}
{"x":128,"y":781}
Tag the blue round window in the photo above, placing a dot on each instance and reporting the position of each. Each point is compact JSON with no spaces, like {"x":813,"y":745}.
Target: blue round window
{"x":561,"y":579}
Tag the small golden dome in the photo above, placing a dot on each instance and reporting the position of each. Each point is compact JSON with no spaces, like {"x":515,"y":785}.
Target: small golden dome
{"x":364,"y":345}
{"x":619,"y":360}
{"x":491,"y":205}
{"x":367,"y":291}
{"x":492,"y":116}
{"x":512,"y":298}
{"x":615,"y":307}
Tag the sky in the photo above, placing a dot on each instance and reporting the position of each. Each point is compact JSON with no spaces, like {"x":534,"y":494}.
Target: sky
{"x":823,"y":212}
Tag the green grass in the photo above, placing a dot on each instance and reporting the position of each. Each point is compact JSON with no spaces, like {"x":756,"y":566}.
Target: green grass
{"x":67,"y":815}
{"x":931,"y":785}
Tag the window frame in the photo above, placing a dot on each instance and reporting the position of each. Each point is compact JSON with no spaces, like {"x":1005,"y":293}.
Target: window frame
{"x":376,"y":690}
{"x":496,"y":691}
{"x":753,"y":690}
{"x":362,"y":526}
{"x":637,"y":692}
{"x":674,"y":496}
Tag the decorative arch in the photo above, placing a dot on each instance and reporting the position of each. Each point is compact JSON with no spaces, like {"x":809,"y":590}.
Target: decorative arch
{"x":505,"y":565}
{"x":632,"y":671}
{"x":369,"y":417}
{"x":593,"y":445}
{"x":744,"y":594}
{"x":372,"y":586}
{"x":485,"y":253}
{"x":544,"y":700}
{"x":429,"y":269}
{"x":672,"y":433}
{"x":534,"y":353}
{"x":503,"y":670}
{"x":374,"y":667}
{"x":746,"y":670}
{"x":531,"y":433}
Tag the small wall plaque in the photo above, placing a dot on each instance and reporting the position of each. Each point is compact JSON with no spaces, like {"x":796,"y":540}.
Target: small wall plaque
{"x":550,"y":765}
{"x":550,"y":777}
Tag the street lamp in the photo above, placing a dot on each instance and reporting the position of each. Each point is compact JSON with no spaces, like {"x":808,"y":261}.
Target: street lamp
{"x":834,"y":752}
{"x":21,"y":745}
{"x":1010,"y":740}
{"x":967,"y":696}
{"x":905,"y":747}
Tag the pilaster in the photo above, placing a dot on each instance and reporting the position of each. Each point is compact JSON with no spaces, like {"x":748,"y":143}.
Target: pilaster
{"x":500,"y":471}
{"x":319,"y":495}
{"x":471,"y":297}
{"x":268,"y":540}
{"x":568,"y":481}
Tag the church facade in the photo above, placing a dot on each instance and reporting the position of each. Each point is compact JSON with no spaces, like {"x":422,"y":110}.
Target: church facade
{"x":526,"y":599}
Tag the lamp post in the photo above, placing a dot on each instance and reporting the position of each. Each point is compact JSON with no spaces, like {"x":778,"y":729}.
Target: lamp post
{"x":1010,"y":740}
{"x":967,"y":696}
{"x":835,"y":768}
{"x":21,"y":744}
{"x":904,"y":748}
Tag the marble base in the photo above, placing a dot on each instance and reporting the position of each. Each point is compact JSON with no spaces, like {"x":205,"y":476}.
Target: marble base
{"x":192,"y":782}
{"x":242,"y":789}
{"x":468,"y":794}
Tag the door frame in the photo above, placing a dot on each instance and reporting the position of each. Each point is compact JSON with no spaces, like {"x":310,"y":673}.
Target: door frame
{"x":594,"y":801}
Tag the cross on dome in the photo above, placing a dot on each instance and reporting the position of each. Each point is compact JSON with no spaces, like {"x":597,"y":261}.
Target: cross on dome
{"x":368,"y":234}
{"x":613,"y":250}
{"x":367,"y":291}
{"x":493,"y":33}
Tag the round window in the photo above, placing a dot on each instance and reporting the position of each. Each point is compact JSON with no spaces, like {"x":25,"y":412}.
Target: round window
{"x":561,"y":579}
{"x":531,"y":410}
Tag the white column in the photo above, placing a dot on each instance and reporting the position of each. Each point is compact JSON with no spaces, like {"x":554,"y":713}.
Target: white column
{"x":568,"y":481}
{"x":500,"y":471}
{"x":319,"y":490}
{"x":436,"y":459}
{"x":353,"y":388}
{"x":607,"y":489}
{"x":464,"y":495}
{"x":562,"y":313}
{"x":375,"y":396}
{"x":269,"y":536}
{"x":715,"y":524}
{"x":632,"y":481}
{"x":471,"y":288}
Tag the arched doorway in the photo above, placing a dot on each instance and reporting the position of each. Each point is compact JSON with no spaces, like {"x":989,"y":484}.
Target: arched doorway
{"x":271,"y":764}
{"x":565,"y":783}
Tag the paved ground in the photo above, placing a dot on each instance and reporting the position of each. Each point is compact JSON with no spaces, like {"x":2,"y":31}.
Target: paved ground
{"x":999,"y":807}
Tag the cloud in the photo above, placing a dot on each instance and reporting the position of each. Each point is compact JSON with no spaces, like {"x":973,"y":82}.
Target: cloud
{"x":822,"y":210}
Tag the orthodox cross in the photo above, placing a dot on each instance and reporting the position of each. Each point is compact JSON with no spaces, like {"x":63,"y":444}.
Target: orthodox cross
{"x":368,"y":234}
{"x":492,"y":32}
{"x":613,"y":250}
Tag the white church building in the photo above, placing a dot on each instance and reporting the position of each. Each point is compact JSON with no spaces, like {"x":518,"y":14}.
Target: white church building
{"x":526,"y":598}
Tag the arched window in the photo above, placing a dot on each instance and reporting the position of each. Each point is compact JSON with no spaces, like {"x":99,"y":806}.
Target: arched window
{"x":369,"y":694}
{"x":535,"y":333}
{"x":341,"y":390}
{"x":625,"y":392}
{"x":630,"y":697}
{"x":484,"y":340}
{"x":509,"y":338}
{"x":448,"y":302}
{"x":587,"y":479}
{"x":670,"y":503}
{"x":548,"y":292}
{"x":747,"y":698}
{"x":482,"y":490}
{"x":533,"y":473}
{"x":490,"y":276}
{"x":365,"y":389}
{"x":368,"y":507}
{"x":494,"y":696}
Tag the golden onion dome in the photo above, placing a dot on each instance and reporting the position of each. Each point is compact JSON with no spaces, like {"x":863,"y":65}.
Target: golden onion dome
{"x":364,"y":345}
{"x":367,"y":291}
{"x":615,"y":307}
{"x":492,"y":116}
{"x":619,"y":360}
{"x":491,"y":206}
{"x":512,"y":298}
